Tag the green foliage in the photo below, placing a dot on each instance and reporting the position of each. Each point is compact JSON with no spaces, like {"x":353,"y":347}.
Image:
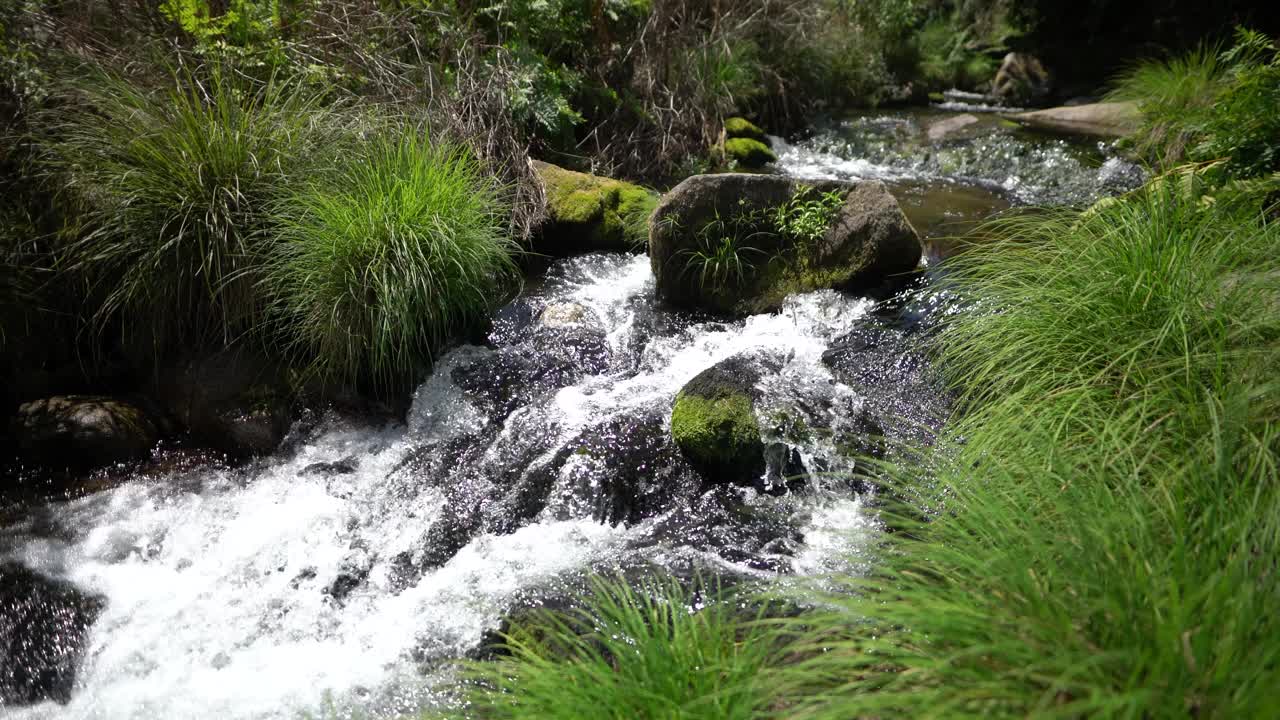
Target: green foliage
{"x":1209,"y":105}
{"x":1171,"y":94}
{"x":1244,"y":124}
{"x":724,"y":257}
{"x":173,"y":185}
{"x":806,"y":217}
{"x":660,"y":652}
{"x":397,"y":246}
{"x":246,"y":29}
{"x":1111,"y":517}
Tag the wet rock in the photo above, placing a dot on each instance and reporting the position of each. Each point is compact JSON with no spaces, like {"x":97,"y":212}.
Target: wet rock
{"x":345,"y":466}
{"x":564,"y":314}
{"x":1108,"y":119}
{"x":352,"y":573}
{"x":514,"y":322}
{"x":44,"y":625}
{"x":948,"y":127}
{"x":714,"y":424}
{"x":627,"y":469}
{"x":715,"y":244}
{"x":1021,"y":79}
{"x":235,"y":401}
{"x":83,"y":431}
{"x":588,"y":213}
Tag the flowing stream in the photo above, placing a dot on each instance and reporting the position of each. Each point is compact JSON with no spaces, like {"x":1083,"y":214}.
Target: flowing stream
{"x":340,"y":577}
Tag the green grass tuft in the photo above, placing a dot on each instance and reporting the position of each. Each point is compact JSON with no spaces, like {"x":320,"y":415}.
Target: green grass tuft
{"x":1112,"y":516}
{"x":398,"y":246}
{"x":658,"y":652}
{"x":1171,"y":94}
{"x":174,"y":185}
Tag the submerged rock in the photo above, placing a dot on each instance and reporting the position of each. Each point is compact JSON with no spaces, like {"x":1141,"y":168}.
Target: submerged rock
{"x":1107,"y":119}
{"x":951,"y":126}
{"x":589,"y":213}
{"x":83,"y":431}
{"x":44,"y":625}
{"x":739,"y":244}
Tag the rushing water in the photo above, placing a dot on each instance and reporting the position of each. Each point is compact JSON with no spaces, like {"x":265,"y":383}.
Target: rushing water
{"x":341,"y":576}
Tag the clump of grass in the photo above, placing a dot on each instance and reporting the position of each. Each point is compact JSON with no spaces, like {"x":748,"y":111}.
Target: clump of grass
{"x":1112,"y":521}
{"x":398,"y":246}
{"x":661,"y":651}
{"x":174,"y":185}
{"x":1172,"y":94}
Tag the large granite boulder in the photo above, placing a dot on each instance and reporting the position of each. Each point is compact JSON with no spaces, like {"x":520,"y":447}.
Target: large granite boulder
{"x":83,"y":431}
{"x":738,"y":244}
{"x":589,"y":213}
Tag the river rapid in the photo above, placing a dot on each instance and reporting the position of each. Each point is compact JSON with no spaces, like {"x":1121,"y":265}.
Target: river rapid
{"x":342,"y":576}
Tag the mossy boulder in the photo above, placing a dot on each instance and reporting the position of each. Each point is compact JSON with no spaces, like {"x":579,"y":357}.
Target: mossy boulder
{"x":717,"y":243}
{"x":748,"y":153}
{"x":736,"y":127}
{"x":589,"y":213}
{"x":714,"y":423}
{"x":83,"y":431}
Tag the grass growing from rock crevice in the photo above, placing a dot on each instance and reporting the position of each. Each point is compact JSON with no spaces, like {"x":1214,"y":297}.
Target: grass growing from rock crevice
{"x":386,"y":255}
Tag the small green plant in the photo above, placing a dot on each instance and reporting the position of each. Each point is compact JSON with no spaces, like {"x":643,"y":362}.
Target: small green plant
{"x":656,"y":653}
{"x":725,"y":255}
{"x":388,"y":253}
{"x":807,"y":215}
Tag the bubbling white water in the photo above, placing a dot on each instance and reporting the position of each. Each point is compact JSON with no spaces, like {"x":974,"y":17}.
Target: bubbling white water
{"x":215,"y":579}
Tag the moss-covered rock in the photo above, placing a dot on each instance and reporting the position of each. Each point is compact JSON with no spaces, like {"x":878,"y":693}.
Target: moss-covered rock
{"x":714,"y":424}
{"x":748,"y":153}
{"x":736,"y":127}
{"x":716,"y":243}
{"x":589,"y":213}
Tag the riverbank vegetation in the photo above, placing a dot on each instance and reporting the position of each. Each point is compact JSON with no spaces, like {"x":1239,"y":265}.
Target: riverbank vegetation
{"x":1097,"y":534}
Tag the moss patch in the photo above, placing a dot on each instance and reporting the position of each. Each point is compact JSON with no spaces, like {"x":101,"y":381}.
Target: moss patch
{"x":748,"y":153}
{"x":736,"y":127}
{"x":589,"y":212}
{"x":719,"y":434}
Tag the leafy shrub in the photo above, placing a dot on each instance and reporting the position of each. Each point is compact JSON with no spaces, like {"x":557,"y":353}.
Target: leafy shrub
{"x":174,"y":186}
{"x":399,"y":245}
{"x":658,"y":652}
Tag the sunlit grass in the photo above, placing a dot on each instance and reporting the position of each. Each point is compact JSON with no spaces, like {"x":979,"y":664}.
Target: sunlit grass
{"x":660,"y":651}
{"x":385,"y":255}
{"x":173,"y":184}
{"x":1111,"y":518}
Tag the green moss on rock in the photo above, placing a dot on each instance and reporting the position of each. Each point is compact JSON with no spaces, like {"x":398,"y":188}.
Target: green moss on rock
{"x":716,"y":433}
{"x":748,"y":153}
{"x":592,"y":213}
{"x":736,"y":127}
